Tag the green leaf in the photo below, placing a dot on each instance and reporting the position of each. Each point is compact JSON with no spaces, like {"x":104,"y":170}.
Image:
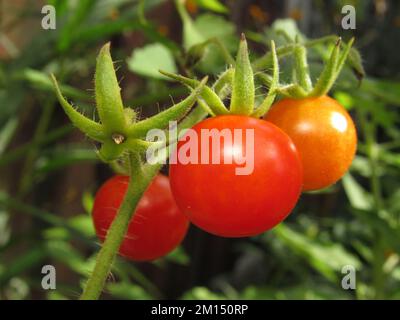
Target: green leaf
{"x":80,"y":13}
{"x":7,"y":132}
{"x":68,"y":255}
{"x":358,"y":197}
{"x":81,"y":223}
{"x":202,"y":293}
{"x":217,"y":56}
{"x":128,"y":291}
{"x":387,"y":91}
{"x":87,"y":202}
{"x":30,"y":259}
{"x":345,"y":99}
{"x":211,"y":25}
{"x":148,"y":60}
{"x":327,"y":258}
{"x":62,"y":157}
{"x":303,"y":291}
{"x":41,"y":80}
{"x":355,"y":62}
{"x":286,"y":28}
{"x":178,"y":256}
{"x":213,"y":5}
{"x":191,"y":35}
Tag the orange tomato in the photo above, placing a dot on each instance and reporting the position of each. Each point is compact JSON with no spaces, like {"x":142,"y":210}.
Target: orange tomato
{"x":324,"y":135}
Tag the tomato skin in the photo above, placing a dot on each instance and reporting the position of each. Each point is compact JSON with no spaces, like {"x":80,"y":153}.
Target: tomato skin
{"x":225,"y":204}
{"x":324,"y":135}
{"x":157,"y":226}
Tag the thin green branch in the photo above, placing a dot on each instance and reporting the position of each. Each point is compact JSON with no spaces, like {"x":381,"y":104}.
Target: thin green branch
{"x":138,"y":182}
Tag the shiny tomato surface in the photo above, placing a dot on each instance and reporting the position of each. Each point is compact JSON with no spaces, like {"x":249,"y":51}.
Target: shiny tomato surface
{"x":324,"y":135}
{"x":157,"y":227}
{"x":219,"y":200}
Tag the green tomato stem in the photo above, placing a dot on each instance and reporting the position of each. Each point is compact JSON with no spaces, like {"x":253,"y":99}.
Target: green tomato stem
{"x":138,"y":182}
{"x":141,"y":176}
{"x":265,"y":61}
{"x":207,"y":94}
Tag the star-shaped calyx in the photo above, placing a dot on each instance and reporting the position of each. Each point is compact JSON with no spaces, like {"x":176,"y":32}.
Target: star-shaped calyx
{"x":118,"y":130}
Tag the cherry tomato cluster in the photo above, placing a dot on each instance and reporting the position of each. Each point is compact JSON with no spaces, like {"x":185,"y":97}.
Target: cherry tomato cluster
{"x":304,"y":142}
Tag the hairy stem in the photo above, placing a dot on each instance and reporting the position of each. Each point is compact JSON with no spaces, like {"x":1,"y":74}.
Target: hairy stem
{"x":138,"y":182}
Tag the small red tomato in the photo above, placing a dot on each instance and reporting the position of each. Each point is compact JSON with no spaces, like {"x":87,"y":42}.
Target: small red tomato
{"x":219,"y":200}
{"x":324,"y":135}
{"x":157,"y":227}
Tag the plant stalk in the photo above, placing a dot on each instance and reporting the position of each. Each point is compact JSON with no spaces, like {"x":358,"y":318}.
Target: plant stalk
{"x":138,"y":182}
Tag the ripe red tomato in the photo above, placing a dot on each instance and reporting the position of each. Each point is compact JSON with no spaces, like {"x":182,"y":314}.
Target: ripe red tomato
{"x":217,"y":199}
{"x":324,"y":135}
{"x":157,"y":226}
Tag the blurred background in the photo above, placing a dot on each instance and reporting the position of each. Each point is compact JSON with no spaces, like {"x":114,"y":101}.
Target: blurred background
{"x":49,"y":171}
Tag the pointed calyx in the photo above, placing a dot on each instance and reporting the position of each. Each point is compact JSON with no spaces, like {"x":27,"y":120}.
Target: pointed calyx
{"x":302,"y":86}
{"x":243,"y":92}
{"x":118,"y":130}
{"x":108,"y":93}
{"x":236,"y":83}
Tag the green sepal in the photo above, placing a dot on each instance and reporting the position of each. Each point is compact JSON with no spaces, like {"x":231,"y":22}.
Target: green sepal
{"x":328,"y":74}
{"x":293,"y":91}
{"x":162,"y":119}
{"x":301,"y":70}
{"x":271,"y":82}
{"x":265,"y":62}
{"x":243,"y":91}
{"x":207,"y":94}
{"x":342,"y":58}
{"x":91,"y":128}
{"x":223,"y":85}
{"x":108,"y":93}
{"x":355,"y":62}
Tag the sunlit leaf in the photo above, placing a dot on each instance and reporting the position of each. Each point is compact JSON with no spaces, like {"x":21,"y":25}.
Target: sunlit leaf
{"x":327,"y":258}
{"x":148,"y":60}
{"x":213,"y":5}
{"x":358,"y":197}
